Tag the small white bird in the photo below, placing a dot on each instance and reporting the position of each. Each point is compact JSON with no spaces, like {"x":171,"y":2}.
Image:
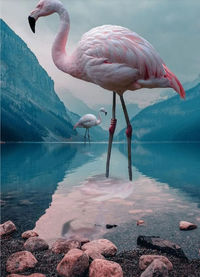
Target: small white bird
{"x":89,"y":120}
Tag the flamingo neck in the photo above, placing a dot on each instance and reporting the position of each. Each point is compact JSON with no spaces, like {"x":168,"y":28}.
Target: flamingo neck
{"x":59,"y":54}
{"x":99,"y":119}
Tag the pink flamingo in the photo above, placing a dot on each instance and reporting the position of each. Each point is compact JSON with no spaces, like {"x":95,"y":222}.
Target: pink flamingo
{"x":112,"y":57}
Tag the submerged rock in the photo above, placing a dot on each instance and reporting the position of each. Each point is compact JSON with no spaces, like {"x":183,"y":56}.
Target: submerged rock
{"x":104,"y":268}
{"x":154,"y":242}
{"x":74,"y":264}
{"x":28,"y":234}
{"x":185,"y":225}
{"x":140,"y":222}
{"x":7,"y":228}
{"x":110,"y":226}
{"x":146,"y":260}
{"x":35,"y":244}
{"x":64,"y":245}
{"x":20,"y":261}
{"x":102,"y":246}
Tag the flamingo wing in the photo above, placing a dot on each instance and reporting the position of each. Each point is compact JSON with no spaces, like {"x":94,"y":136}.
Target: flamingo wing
{"x":116,"y":58}
{"x":86,"y":121}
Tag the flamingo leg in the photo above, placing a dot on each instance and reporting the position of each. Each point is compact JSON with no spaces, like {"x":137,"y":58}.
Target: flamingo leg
{"x":89,"y":135}
{"x":85,"y":133}
{"x":128,"y":135}
{"x":111,"y":133}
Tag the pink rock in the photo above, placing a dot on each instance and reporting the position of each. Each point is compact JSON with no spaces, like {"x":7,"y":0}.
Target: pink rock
{"x":140,"y":222}
{"x":7,"y":228}
{"x":102,"y":246}
{"x":28,"y":234}
{"x":94,"y":255}
{"x":74,"y":264}
{"x":185,"y":225}
{"x":146,"y":260}
{"x":35,"y":244}
{"x":104,"y":268}
{"x":32,"y":275}
{"x":63,"y":245}
{"x":20,"y":261}
{"x":156,"y":268}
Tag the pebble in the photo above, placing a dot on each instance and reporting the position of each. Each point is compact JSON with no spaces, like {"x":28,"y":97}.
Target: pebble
{"x":32,"y":275}
{"x":146,"y":260}
{"x":35,"y":244}
{"x":156,"y":268}
{"x":64,"y":245}
{"x":104,"y":268}
{"x":102,"y":246}
{"x":74,"y":264}
{"x":7,"y":227}
{"x":28,"y":234}
{"x":185,"y":225}
{"x":20,"y":261}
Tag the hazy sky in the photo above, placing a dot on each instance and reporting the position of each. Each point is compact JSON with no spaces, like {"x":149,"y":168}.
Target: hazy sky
{"x":172,"y":26}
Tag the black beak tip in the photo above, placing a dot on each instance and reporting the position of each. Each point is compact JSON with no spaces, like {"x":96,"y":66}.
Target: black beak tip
{"x":32,"y":22}
{"x":105,"y":113}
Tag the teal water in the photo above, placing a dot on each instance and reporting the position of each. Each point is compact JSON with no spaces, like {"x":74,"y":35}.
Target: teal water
{"x":60,"y":190}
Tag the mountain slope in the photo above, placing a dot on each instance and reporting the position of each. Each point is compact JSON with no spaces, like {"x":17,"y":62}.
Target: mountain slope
{"x":170,"y":120}
{"x":30,"y":108}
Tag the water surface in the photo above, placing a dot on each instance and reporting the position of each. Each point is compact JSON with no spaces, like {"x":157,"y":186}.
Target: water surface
{"x":60,"y":191}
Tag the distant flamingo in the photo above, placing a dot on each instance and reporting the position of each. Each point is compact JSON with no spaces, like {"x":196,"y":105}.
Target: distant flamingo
{"x":89,"y":120}
{"x":112,"y":57}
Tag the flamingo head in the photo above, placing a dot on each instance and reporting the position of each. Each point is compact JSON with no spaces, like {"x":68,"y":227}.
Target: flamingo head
{"x":103,"y":111}
{"x":43,"y":8}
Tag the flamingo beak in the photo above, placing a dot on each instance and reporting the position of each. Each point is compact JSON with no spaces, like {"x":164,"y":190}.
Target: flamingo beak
{"x":32,"y":22}
{"x":105,"y":113}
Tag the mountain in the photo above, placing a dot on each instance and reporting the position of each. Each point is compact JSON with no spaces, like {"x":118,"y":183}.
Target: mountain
{"x":30,"y":108}
{"x":171,"y":120}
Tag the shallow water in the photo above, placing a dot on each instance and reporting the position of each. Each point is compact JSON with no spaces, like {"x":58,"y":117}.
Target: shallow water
{"x":60,"y":191}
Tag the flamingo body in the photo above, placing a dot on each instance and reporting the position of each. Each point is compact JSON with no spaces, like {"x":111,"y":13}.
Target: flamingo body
{"x":118,"y":59}
{"x":87,"y":121}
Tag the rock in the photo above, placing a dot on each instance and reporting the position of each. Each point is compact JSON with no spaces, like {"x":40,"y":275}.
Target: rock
{"x":20,"y":261}
{"x":162,"y":245}
{"x":110,"y":226}
{"x":104,"y":268}
{"x":102,"y":246}
{"x":146,"y":260}
{"x":185,"y":225}
{"x":28,"y":234}
{"x":32,"y":275}
{"x":74,"y":264}
{"x":7,"y":228}
{"x":82,"y":240}
{"x":35,"y":244}
{"x":156,"y":269}
{"x":140,"y":222}
{"x":63,"y":245}
{"x":94,"y":255}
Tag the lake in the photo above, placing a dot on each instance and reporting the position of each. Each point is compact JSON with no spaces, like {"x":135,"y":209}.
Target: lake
{"x":59,"y":190}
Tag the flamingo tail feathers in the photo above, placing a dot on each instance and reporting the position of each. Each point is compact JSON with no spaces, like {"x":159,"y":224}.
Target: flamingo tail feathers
{"x":174,"y":82}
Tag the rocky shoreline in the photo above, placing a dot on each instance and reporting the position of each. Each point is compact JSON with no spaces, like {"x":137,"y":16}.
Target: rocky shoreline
{"x":28,"y":255}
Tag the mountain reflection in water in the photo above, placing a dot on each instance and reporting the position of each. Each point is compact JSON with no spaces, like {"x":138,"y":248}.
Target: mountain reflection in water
{"x":60,"y":191}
